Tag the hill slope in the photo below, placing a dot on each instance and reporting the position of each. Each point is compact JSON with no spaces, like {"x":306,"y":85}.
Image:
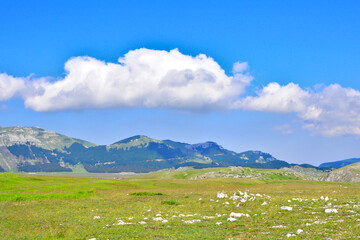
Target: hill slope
{"x":38,"y":137}
{"x":350,"y":173}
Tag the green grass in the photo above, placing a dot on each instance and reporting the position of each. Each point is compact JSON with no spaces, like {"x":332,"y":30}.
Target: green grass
{"x":37,"y":196}
{"x":47,"y":207}
{"x":170,"y":202}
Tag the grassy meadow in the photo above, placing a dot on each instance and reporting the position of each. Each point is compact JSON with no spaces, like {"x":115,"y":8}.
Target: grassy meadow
{"x":175,"y":205}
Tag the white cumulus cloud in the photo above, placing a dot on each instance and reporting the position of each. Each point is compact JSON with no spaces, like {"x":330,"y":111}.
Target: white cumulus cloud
{"x":142,"y":78}
{"x":276,"y":98}
{"x":333,"y":110}
{"x":10,"y":86}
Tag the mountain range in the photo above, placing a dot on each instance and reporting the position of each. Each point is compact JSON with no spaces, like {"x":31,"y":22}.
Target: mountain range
{"x":32,"y":149}
{"x":340,"y":164}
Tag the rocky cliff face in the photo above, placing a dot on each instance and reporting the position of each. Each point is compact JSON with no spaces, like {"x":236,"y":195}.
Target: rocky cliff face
{"x":38,"y":137}
{"x":8,"y":162}
{"x":350,"y":173}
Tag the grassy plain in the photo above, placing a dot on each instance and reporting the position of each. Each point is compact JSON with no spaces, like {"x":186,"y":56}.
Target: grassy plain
{"x":169,"y":205}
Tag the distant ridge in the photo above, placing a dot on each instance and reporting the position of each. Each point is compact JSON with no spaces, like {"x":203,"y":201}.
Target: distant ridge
{"x":340,"y":164}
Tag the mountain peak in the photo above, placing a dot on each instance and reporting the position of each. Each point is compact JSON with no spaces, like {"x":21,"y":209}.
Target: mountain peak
{"x":206,"y":145}
{"x":135,"y":141}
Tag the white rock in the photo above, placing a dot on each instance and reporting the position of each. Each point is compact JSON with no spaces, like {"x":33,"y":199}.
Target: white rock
{"x":299,"y":231}
{"x":120,"y":222}
{"x":221,"y":195}
{"x":238,"y":214}
{"x":331,"y":210}
{"x":192,"y":221}
{"x":234,"y":197}
{"x":231,"y":219}
{"x":279,"y":226}
{"x":286,"y":208}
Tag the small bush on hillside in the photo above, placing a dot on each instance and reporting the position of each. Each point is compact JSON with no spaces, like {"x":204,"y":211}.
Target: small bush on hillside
{"x":170,"y":202}
{"x":146,"y":194}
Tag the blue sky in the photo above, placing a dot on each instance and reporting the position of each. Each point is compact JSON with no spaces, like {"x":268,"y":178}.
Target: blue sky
{"x":309,"y":50}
